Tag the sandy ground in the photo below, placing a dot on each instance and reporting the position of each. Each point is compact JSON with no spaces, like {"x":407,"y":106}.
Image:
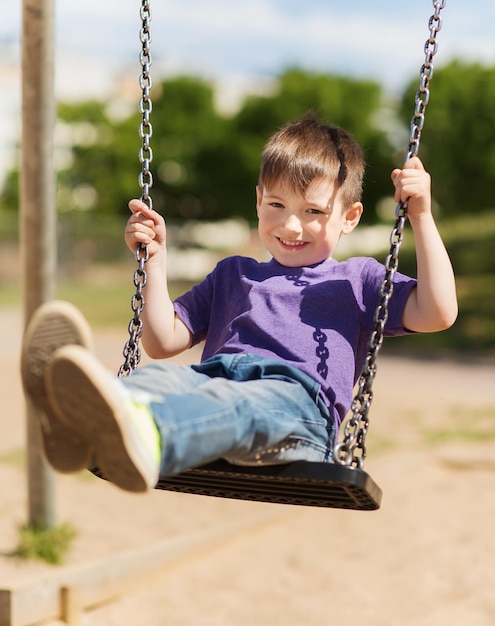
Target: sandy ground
{"x":426,"y":558}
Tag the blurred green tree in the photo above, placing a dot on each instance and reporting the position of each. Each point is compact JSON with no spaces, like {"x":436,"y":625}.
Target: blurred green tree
{"x":458,"y":141}
{"x":188,"y":143}
{"x":205,"y":164}
{"x":96,"y":155}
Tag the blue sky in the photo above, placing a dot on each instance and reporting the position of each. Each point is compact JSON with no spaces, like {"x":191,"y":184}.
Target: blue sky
{"x":382,"y":39}
{"x":241,"y":45}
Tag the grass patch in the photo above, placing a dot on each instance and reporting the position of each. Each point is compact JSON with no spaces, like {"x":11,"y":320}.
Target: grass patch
{"x":450,"y":435}
{"x":467,"y":426}
{"x":104,"y":306}
{"x":45,"y":544}
{"x":15,"y":458}
{"x":103,"y":296}
{"x":11,"y":294}
{"x":107,"y":304}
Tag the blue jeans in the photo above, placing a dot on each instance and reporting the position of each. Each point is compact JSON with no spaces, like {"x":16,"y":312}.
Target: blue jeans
{"x":241,"y":407}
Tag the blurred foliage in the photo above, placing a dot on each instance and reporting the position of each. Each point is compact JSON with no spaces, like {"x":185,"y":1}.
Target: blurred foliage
{"x":470,"y":245}
{"x":458,"y":144}
{"x":205,"y":167}
{"x":50,"y":545}
{"x":205,"y":164}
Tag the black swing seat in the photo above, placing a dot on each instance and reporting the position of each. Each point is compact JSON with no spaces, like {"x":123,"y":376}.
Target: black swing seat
{"x":300,"y":482}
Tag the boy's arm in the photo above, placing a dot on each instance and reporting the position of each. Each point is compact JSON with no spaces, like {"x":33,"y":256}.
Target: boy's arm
{"x":432,"y":305}
{"x":164,"y":334}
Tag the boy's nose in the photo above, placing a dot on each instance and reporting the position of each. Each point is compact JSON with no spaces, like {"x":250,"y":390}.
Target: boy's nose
{"x":292,"y":225}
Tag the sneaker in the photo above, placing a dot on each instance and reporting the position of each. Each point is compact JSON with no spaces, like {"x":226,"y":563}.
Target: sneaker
{"x":96,"y":404}
{"x":53,"y":325}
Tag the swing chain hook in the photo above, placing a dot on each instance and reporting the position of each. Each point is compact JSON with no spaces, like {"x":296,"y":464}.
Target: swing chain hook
{"x":351,"y":451}
{"x":132,"y":351}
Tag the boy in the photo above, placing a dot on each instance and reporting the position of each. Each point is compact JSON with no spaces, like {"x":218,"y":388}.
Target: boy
{"x":285,"y":340}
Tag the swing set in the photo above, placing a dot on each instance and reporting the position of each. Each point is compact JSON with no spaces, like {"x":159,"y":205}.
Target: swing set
{"x":344,"y":483}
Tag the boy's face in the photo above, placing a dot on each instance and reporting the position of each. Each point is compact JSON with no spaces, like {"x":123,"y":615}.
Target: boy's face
{"x":302,"y":230}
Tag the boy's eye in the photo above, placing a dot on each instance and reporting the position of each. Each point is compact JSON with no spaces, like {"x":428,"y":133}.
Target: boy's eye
{"x":315,"y":211}
{"x":277,"y":205}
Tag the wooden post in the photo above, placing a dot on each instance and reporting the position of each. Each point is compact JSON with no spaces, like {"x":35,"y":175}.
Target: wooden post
{"x":37,"y":215}
{"x":71,"y":609}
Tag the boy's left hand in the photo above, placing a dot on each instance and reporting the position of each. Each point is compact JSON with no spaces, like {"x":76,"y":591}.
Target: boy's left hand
{"x":413,"y":183}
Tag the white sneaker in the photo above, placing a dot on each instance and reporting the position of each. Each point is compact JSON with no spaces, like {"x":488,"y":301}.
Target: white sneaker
{"x":53,"y":325}
{"x":94,"y":403}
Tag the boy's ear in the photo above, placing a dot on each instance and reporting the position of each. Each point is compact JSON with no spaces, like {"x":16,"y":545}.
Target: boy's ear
{"x":352,"y":217}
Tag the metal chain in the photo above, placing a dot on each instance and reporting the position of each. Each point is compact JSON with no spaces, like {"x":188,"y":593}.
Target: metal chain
{"x":132,"y":352}
{"x":352,"y":450}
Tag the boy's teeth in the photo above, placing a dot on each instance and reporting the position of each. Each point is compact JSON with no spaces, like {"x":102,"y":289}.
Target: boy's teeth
{"x":292,"y":243}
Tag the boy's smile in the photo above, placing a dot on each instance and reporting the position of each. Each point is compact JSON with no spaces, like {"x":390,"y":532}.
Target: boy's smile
{"x":300,"y":230}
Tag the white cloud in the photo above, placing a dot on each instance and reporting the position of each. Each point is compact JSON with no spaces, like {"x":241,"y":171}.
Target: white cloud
{"x":240,"y":43}
{"x":382,"y":39}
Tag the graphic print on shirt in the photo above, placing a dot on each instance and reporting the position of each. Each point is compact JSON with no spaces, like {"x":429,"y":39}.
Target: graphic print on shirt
{"x":319,"y":336}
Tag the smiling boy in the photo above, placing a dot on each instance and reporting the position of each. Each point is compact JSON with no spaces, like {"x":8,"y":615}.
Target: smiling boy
{"x":284,"y":340}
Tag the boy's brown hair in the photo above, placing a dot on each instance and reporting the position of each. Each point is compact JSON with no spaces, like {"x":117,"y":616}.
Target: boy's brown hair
{"x":308,"y":149}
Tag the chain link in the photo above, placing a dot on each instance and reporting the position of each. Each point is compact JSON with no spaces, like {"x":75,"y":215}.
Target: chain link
{"x":132,"y":352}
{"x":352,"y":450}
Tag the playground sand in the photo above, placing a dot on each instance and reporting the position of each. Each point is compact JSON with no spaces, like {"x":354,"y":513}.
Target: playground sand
{"x":424,"y":559}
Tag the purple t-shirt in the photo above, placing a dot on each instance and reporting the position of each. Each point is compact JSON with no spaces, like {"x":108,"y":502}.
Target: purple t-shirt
{"x":318,"y":318}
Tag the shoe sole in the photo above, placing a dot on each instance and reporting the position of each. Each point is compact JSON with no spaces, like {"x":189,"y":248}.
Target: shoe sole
{"x":88,"y":398}
{"x":53,"y":325}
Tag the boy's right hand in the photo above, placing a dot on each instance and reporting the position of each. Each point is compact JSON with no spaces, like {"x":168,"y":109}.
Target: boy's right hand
{"x":147,"y":227}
